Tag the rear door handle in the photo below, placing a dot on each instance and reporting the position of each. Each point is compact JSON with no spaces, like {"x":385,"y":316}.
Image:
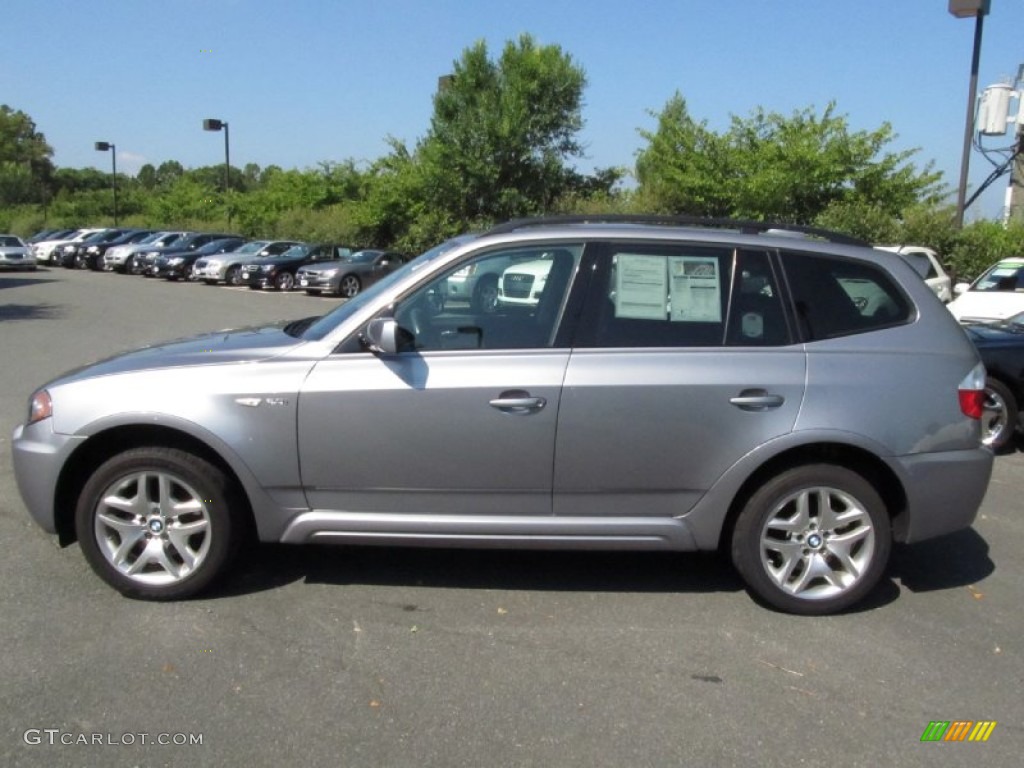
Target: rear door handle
{"x":518,"y":401}
{"x":756,"y":400}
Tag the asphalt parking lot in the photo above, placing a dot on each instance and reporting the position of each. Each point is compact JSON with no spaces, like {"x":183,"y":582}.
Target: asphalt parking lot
{"x":390,"y":657}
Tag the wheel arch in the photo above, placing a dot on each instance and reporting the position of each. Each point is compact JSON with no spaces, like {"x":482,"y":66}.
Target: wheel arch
{"x":101,"y":446}
{"x":863,"y":462}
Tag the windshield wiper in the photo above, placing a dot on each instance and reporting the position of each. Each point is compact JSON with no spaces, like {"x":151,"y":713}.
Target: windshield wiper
{"x":297,"y":327}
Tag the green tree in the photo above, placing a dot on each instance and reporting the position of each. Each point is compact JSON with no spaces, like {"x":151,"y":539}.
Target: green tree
{"x":25,"y":167}
{"x":772,"y":166}
{"x":502,"y":132}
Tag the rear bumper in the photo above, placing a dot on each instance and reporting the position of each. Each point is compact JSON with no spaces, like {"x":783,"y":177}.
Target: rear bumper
{"x":944,"y":492}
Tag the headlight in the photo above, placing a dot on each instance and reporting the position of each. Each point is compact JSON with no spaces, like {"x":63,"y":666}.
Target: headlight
{"x":68,"y":248}
{"x":92,"y":249}
{"x":268,"y":267}
{"x":175,"y":261}
{"x":328,"y":273}
{"x":213,"y":264}
{"x":40,"y":406}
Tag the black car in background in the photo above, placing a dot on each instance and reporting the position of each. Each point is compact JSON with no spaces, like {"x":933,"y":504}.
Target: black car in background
{"x":279,"y":271}
{"x":1001,"y":346}
{"x":348,"y":276}
{"x":177,"y":264}
{"x":89,"y":255}
{"x":144,"y":260}
{"x":67,"y":254}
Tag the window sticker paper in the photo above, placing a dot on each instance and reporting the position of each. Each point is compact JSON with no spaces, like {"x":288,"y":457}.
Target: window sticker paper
{"x":696,"y":289}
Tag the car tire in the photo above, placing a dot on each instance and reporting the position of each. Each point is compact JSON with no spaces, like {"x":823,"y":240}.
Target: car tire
{"x":129,"y":265}
{"x":284,"y":281}
{"x":999,"y":417}
{"x":812,"y":540}
{"x":485,"y":295}
{"x":349,"y":286}
{"x":158,"y":523}
{"x":233,"y":276}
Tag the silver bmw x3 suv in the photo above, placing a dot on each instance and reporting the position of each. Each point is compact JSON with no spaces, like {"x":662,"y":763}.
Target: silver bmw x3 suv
{"x":793,"y":400}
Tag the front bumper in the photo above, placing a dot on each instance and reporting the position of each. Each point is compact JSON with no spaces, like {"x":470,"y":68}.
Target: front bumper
{"x":38,"y":454}
{"x":8,"y":261}
{"x":315,"y":282}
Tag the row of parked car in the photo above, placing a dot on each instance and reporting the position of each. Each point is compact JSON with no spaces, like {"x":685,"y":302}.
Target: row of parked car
{"x":217,"y":257}
{"x":991,"y":309}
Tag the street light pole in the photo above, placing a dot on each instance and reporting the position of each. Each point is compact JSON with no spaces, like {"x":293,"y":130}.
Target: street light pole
{"x":104,"y":146}
{"x":963,"y":9}
{"x":212,"y":124}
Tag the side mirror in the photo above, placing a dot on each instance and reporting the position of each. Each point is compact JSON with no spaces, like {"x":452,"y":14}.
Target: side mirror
{"x":960,"y":288}
{"x":381,"y":336}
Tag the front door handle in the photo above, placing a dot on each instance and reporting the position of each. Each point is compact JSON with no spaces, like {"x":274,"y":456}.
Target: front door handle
{"x":518,"y":401}
{"x":756,"y":400}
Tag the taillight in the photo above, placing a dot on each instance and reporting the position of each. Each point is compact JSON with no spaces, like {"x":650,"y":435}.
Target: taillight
{"x":972,"y":392}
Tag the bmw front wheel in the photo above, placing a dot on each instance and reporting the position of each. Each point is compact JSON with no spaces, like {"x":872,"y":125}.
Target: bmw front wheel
{"x":157,"y":523}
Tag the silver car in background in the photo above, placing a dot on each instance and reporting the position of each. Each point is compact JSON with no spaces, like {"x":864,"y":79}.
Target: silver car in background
{"x":670,"y":388}
{"x":15,"y":254}
{"x":227,"y":267}
{"x":121,"y":258}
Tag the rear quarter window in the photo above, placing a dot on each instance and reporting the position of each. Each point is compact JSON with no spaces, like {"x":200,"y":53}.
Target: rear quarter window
{"x":834,"y":297}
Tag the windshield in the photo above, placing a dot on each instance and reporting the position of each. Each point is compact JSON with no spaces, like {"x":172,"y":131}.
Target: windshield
{"x":1004,"y":276}
{"x":333,"y":319}
{"x":363,"y":257}
{"x":298,"y":251}
{"x":254,"y":247}
{"x":215,"y":246}
{"x":10,"y":242}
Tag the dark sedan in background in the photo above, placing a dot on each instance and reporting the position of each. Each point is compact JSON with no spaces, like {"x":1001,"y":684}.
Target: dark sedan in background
{"x":89,"y":255}
{"x":347,"y":277}
{"x":69,"y":254}
{"x":177,"y":265}
{"x":144,"y":260}
{"x":1001,"y":346}
{"x":279,"y":271}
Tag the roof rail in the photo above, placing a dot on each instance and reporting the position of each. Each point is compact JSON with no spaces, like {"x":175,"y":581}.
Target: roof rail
{"x":740,"y":225}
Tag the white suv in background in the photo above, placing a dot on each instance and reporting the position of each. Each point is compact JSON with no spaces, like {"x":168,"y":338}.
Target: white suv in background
{"x":926,"y":263}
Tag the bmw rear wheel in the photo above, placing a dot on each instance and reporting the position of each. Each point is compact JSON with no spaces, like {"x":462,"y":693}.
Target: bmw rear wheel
{"x":813,"y":540}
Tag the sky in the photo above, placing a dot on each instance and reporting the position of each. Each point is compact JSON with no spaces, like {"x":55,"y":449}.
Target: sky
{"x":309,"y":81}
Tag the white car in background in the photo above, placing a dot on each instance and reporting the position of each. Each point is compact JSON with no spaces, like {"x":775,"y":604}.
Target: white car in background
{"x":996,"y":295}
{"x":44,"y":252}
{"x":926,"y":263}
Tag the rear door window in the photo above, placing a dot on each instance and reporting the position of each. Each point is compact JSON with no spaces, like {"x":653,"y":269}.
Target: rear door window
{"x":658,"y":295}
{"x":834,"y":297}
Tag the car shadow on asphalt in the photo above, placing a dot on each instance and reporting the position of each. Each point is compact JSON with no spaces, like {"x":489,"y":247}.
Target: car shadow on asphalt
{"x":953,"y":561}
{"x":268,"y":566}
{"x":30,"y":311}
{"x":957,"y":560}
{"x":22,"y":280}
